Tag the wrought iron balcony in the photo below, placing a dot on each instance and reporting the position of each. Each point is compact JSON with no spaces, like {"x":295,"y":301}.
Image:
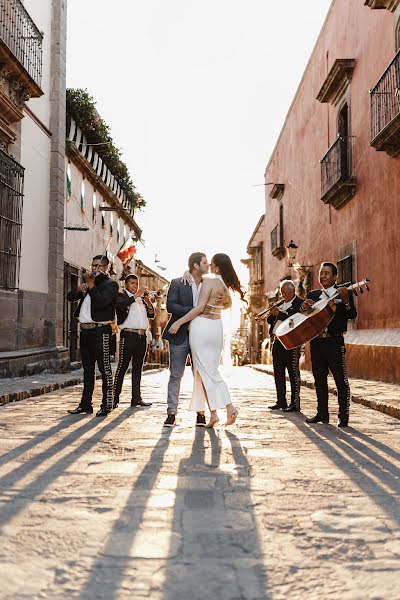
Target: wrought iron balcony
{"x":385,"y":110}
{"x":337,"y":183}
{"x":21,"y":43}
{"x":277,"y":245}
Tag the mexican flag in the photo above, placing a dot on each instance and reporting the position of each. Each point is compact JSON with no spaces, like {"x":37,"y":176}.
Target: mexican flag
{"x":127,"y":251}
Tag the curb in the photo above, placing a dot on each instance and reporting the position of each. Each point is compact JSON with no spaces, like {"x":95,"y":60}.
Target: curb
{"x":38,"y":390}
{"x":383,"y":407}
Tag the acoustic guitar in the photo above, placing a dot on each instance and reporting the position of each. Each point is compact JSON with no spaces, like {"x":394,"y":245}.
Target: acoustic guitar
{"x":303,"y":327}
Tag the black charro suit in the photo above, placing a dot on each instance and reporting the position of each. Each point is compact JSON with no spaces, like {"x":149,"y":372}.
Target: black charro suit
{"x":328,"y":354}
{"x":95,"y":343}
{"x":285,"y":359}
{"x":132,"y":347}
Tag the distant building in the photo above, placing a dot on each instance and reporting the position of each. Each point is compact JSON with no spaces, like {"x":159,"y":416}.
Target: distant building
{"x":333,"y":182}
{"x":158,"y":284}
{"x":255,"y":263}
{"x":32,"y":184}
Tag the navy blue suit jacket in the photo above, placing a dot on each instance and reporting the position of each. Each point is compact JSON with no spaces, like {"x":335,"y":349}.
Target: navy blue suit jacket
{"x":179,"y":303}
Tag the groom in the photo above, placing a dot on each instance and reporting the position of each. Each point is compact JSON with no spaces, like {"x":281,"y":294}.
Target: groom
{"x":182,"y":297}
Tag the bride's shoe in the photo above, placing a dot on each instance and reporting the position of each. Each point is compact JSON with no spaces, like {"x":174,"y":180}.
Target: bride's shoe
{"x":212,"y":422}
{"x":230,"y":419}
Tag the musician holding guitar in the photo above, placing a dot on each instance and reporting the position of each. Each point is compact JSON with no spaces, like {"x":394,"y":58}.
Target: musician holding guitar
{"x":285,"y":359}
{"x":328,"y":348}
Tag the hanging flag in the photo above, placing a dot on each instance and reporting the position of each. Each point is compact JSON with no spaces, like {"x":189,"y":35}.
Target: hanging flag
{"x":103,"y":219}
{"x":69,"y":180}
{"x":83,"y":197}
{"x":94,"y":208}
{"x":127,"y":251}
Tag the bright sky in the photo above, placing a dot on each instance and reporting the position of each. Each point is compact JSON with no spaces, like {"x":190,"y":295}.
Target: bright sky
{"x":195,"y":92}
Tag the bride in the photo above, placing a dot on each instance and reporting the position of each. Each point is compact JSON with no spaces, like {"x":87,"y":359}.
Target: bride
{"x":206,"y":340}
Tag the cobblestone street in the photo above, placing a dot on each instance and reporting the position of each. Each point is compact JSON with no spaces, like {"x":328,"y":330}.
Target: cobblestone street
{"x":271,"y":508}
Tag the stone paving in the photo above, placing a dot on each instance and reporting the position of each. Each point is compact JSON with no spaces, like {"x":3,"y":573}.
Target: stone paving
{"x":377,"y":395}
{"x":271,"y":508}
{"x":14,"y":389}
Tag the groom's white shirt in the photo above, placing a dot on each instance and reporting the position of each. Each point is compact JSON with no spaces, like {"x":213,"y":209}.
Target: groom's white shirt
{"x":196,"y":293}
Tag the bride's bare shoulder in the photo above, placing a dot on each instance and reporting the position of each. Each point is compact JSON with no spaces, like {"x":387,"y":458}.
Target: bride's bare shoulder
{"x":212,"y":282}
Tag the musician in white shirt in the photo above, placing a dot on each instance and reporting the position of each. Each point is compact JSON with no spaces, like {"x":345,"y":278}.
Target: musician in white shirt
{"x":134,"y":309}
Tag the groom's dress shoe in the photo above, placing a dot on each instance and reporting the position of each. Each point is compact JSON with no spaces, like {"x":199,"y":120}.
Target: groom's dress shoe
{"x":140,"y":403}
{"x":318,"y":419}
{"x":79,"y":410}
{"x":292,"y":408}
{"x":343,"y":423}
{"x":278,"y":406}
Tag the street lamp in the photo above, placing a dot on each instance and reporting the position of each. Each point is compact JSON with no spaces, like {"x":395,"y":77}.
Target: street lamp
{"x":291,"y":251}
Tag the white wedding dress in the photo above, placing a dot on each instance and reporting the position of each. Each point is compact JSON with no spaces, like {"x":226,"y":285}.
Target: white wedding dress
{"x":206,"y":338}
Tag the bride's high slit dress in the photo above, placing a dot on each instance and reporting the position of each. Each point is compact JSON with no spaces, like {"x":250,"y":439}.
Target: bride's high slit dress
{"x":206,"y":342}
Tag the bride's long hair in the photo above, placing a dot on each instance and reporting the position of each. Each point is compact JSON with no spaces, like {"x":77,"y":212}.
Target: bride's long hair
{"x":228,"y":273}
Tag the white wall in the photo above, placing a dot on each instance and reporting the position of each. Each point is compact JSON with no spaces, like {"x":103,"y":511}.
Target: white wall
{"x":35,"y":153}
{"x":35,"y":158}
{"x":81,"y":246}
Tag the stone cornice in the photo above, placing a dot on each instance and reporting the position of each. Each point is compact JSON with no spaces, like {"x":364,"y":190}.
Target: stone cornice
{"x":337,"y":80}
{"x":277,"y":190}
{"x":75,"y":156}
{"x":27,"y":84}
{"x":388,"y":4}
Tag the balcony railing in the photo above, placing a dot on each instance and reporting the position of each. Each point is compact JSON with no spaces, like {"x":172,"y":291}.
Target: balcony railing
{"x":21,"y":36}
{"x":337,"y":184}
{"x":277,"y":247}
{"x":385,"y":110}
{"x":274,"y":238}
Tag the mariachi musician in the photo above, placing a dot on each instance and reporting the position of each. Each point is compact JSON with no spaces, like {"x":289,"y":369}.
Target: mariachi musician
{"x":285,"y":359}
{"x":134,"y":308}
{"x":97,"y":297}
{"x":328,"y":349}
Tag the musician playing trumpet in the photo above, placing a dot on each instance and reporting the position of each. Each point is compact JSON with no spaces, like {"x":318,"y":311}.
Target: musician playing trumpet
{"x":328,"y":349}
{"x":285,"y":359}
{"x":134,"y":308}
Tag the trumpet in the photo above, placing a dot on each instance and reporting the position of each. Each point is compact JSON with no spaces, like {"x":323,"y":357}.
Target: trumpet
{"x":266,"y":310}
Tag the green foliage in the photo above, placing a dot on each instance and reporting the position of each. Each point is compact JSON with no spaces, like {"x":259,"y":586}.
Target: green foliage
{"x":82,"y":108}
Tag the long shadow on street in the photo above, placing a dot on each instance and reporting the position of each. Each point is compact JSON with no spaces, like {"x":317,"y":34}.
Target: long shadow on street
{"x":108,"y":572}
{"x":351,"y":451}
{"x":220,"y":555}
{"x":27,"y":493}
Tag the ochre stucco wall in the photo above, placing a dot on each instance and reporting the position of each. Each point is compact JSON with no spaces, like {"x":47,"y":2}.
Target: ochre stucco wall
{"x":371,"y":218}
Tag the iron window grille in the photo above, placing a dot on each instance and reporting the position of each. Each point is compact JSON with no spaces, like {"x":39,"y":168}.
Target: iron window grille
{"x":345,"y":270}
{"x":11,"y":205}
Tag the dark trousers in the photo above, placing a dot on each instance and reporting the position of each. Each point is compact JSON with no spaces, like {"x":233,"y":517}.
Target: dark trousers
{"x":132,"y":347}
{"x":328,"y":354}
{"x":283,"y":359}
{"x":95,"y":347}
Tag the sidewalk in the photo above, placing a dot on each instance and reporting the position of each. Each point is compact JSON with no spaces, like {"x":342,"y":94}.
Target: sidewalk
{"x":20,"y":388}
{"x":378,"y":395}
